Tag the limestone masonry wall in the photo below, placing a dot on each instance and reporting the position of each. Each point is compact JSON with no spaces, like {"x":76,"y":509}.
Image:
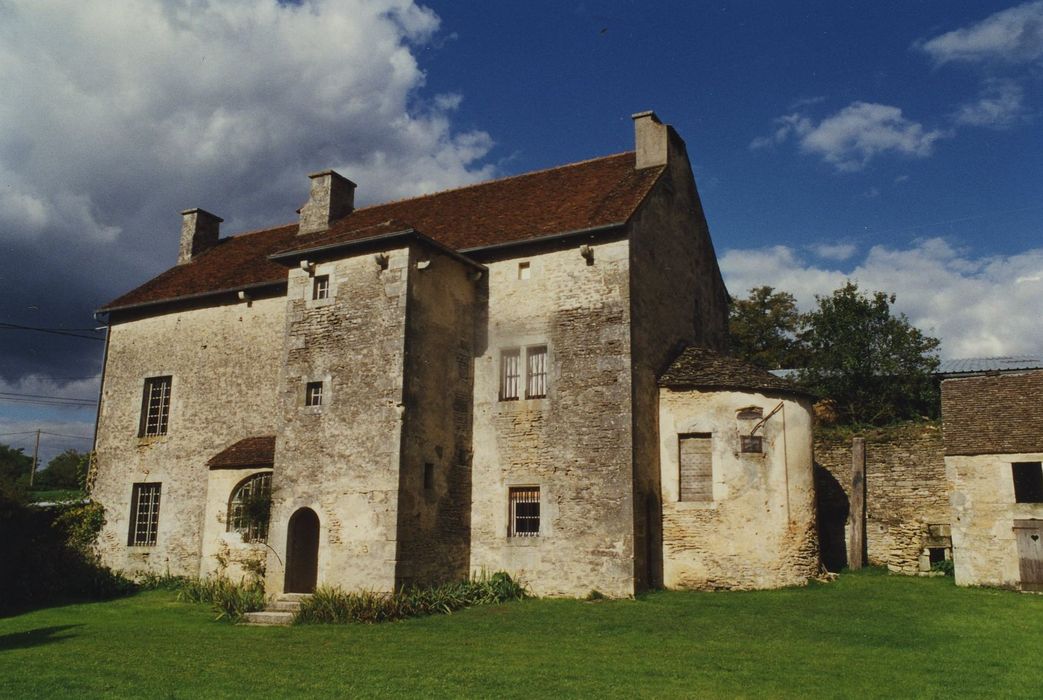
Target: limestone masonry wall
{"x":759,"y":529}
{"x":677,"y":298}
{"x":341,"y":459}
{"x":434,"y":518}
{"x":906,"y":491}
{"x":224,"y":363}
{"x":983,"y":515}
{"x":575,"y":444}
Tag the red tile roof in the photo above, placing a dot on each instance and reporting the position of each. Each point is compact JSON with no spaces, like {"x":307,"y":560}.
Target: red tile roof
{"x":248,"y":452}
{"x":572,"y":197}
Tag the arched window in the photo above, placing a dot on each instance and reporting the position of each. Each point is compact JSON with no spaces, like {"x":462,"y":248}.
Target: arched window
{"x":250,"y":506}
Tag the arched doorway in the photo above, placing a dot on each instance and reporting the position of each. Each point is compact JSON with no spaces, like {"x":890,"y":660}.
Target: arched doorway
{"x":302,"y":552}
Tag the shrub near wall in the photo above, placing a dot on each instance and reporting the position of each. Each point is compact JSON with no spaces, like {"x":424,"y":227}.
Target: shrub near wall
{"x":47,"y":556}
{"x":906,"y":490}
{"x":332,"y":605}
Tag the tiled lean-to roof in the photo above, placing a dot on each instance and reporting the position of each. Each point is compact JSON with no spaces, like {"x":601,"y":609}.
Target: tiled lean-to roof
{"x":586,"y":195}
{"x":249,"y":452}
{"x":702,"y":368}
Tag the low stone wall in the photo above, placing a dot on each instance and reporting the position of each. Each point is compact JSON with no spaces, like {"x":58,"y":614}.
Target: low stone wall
{"x":906,"y":493}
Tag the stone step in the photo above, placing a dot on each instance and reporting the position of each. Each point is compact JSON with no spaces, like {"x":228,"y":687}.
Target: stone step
{"x":268,"y":618}
{"x":278,"y":605}
{"x":293,"y":596}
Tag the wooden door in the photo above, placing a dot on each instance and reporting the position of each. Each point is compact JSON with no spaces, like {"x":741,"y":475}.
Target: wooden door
{"x":1029,"y":534}
{"x":302,"y":552}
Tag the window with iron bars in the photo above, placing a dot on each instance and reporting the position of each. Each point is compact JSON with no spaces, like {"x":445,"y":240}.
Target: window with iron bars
{"x":250,"y":506}
{"x":532,"y":375}
{"x":144,"y":515}
{"x":155,"y":407}
{"x":525,"y":511}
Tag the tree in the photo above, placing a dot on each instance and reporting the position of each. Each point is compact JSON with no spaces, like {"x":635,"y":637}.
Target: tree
{"x":763,"y":329}
{"x":63,"y":472}
{"x":14,"y":464}
{"x":876,"y":366}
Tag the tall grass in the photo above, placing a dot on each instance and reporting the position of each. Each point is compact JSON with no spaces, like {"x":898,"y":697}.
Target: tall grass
{"x":332,"y":605}
{"x":231,"y":600}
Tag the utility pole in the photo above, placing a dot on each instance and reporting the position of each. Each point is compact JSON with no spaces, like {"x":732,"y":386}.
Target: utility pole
{"x":36,"y":454}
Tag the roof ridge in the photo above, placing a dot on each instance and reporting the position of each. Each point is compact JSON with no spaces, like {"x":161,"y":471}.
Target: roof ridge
{"x":474,"y":185}
{"x":447,"y":190}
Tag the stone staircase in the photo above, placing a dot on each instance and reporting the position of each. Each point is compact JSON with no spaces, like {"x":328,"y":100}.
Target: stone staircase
{"x":280,"y":611}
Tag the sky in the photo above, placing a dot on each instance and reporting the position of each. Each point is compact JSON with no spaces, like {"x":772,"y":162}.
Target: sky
{"x":897,"y":144}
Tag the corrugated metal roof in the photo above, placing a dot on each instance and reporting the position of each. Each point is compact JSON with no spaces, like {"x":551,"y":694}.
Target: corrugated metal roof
{"x":980,"y":365}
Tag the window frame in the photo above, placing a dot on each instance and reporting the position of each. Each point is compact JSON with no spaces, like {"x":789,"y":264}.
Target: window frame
{"x":513,"y":519}
{"x":314,"y":394}
{"x":165,"y":383}
{"x":143,"y":530}
{"x":519,"y":384}
{"x":236,"y":520}
{"x":320,"y":288}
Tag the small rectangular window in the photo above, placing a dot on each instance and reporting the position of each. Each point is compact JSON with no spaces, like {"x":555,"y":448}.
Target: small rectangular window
{"x":155,"y":407}
{"x":536,"y":372}
{"x":525,"y":511}
{"x":751,"y":444}
{"x":313,"y":394}
{"x":524,"y":272}
{"x":696,"y":467}
{"x":510,"y":374}
{"x":1028,"y":482}
{"x":320,"y":288}
{"x":429,"y":476}
{"x":144,"y":515}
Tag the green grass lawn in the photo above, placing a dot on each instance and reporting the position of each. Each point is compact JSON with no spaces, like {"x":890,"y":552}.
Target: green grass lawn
{"x":865,"y":635}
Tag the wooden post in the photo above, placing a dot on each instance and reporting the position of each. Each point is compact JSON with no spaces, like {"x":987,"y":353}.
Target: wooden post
{"x":36,"y":456}
{"x":857,"y":544}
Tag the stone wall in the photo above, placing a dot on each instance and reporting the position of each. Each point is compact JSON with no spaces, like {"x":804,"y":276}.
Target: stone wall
{"x":341,"y":459}
{"x":677,"y":298}
{"x":575,"y":444}
{"x":224,"y":361}
{"x":983,"y":515}
{"x":906,"y":491}
{"x":434,"y":519}
{"x":759,"y":529}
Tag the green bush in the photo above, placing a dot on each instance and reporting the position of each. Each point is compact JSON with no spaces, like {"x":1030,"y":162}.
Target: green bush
{"x":332,"y":605}
{"x":945,"y":567}
{"x":229,"y":599}
{"x":48,"y":554}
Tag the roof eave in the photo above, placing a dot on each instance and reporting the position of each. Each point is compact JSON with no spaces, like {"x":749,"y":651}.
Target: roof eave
{"x":190,"y":297}
{"x":298,"y":253}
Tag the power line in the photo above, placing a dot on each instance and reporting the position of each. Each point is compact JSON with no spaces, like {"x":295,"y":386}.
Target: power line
{"x":54,"y":331}
{"x":78,"y":437}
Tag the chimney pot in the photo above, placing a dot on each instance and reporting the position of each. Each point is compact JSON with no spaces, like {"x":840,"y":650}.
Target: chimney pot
{"x":199,"y":231}
{"x":651,"y":140}
{"x":332,"y":197}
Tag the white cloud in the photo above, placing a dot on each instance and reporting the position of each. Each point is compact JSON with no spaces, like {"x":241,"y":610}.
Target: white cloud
{"x":976,"y":306}
{"x":1014,"y":35}
{"x":834,"y":251}
{"x":850,"y":138}
{"x":110,"y":110}
{"x":999,"y":106}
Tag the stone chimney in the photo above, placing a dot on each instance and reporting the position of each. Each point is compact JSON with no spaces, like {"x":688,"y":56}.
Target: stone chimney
{"x":199,"y":231}
{"x":651,"y":140}
{"x":332,"y":197}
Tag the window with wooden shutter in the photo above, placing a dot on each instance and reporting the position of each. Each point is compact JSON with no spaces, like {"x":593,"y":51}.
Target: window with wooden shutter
{"x":696,"y":467}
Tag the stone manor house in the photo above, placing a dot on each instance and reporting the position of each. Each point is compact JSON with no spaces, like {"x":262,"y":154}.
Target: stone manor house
{"x":521,"y":375}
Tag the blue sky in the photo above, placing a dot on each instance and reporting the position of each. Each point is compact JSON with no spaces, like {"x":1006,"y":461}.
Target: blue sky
{"x":896,"y":143}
